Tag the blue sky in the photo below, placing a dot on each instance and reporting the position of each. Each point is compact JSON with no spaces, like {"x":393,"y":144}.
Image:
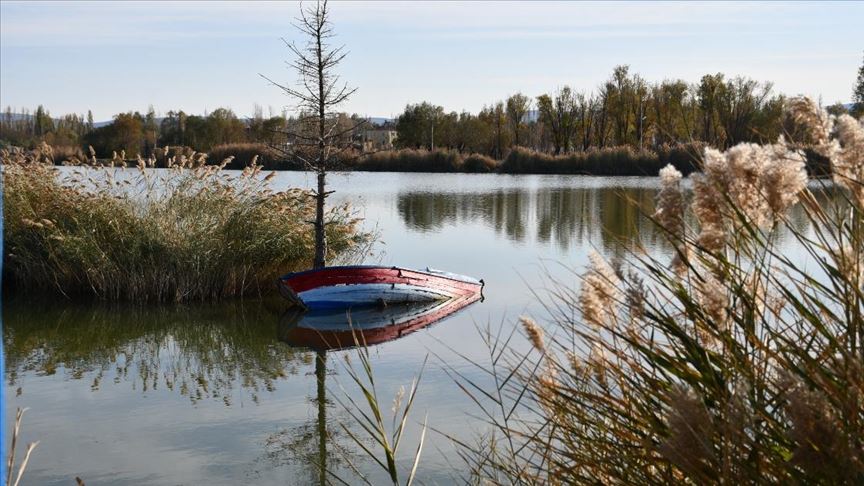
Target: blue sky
{"x":197,"y":56}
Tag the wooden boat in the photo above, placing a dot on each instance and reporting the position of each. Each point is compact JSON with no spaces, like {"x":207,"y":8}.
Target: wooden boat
{"x":351,"y":286}
{"x":329,"y":329}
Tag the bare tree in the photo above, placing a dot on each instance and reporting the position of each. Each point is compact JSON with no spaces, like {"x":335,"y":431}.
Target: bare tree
{"x":319,"y":139}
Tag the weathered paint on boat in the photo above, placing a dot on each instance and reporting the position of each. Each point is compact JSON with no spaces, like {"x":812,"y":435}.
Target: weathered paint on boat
{"x":348,"y":286}
{"x":331,"y":329}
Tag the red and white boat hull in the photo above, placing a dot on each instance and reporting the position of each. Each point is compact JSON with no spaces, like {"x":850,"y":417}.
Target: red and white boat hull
{"x":347,"y":286}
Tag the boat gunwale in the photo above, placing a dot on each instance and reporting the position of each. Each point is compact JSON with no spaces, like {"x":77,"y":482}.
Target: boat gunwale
{"x":447,"y":276}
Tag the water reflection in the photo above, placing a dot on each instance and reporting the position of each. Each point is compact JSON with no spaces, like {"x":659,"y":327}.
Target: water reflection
{"x":329,"y":330}
{"x":333,"y":329}
{"x":563,"y":215}
{"x":183,"y":374}
{"x":609,"y":216}
{"x":199,"y":352}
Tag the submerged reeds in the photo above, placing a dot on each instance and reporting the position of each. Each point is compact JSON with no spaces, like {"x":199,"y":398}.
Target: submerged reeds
{"x":191,"y":233}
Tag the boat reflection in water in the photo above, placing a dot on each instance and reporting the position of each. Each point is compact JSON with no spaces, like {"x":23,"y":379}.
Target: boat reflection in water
{"x":331,"y":329}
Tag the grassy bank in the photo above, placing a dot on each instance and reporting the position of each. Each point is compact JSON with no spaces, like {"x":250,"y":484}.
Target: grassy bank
{"x":609,"y":161}
{"x":604,"y":162}
{"x":191,"y":234}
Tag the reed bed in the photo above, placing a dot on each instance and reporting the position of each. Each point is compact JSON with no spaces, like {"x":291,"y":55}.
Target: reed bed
{"x":734,"y":363}
{"x":192,"y":233}
{"x":478,"y":163}
{"x":612,"y":161}
{"x":615,"y":161}
{"x":243,"y":154}
{"x":410,"y":160}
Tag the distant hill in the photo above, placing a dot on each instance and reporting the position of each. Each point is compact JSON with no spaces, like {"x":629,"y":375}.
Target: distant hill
{"x":27,"y":116}
{"x":380,"y":120}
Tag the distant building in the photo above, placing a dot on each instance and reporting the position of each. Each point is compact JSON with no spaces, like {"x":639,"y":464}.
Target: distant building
{"x":378,"y":138}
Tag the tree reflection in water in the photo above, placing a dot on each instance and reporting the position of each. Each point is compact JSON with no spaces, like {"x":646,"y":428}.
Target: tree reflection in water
{"x":333,"y":330}
{"x":610,"y":217}
{"x":198,"y":351}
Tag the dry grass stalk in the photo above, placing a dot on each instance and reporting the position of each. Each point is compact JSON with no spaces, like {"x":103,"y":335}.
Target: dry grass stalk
{"x":10,"y":465}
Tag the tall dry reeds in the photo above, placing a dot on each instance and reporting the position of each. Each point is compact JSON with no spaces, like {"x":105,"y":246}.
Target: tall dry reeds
{"x":245,"y":154}
{"x":611,"y":161}
{"x":190,"y":233}
{"x":410,"y":160}
{"x":740,"y":363}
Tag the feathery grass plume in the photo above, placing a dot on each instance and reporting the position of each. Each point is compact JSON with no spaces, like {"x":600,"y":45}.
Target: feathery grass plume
{"x":745,"y":164}
{"x":534,"y":332}
{"x":714,"y":301}
{"x":784,"y":177}
{"x":820,"y":434}
{"x":708,"y":201}
{"x":847,"y":160}
{"x":759,"y":182}
{"x":599,"y":294}
{"x":670,"y":202}
{"x":808,"y":126}
{"x":688,"y":443}
{"x":670,"y":213}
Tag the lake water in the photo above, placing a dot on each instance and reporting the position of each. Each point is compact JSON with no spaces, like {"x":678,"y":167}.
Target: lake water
{"x":209,"y":394}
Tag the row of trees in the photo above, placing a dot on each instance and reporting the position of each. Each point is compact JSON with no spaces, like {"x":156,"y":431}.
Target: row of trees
{"x":624,"y":110}
{"x":23,"y":128}
{"x":140,"y":133}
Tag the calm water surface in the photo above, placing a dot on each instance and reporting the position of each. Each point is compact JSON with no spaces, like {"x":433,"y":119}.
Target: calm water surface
{"x":208,"y":394}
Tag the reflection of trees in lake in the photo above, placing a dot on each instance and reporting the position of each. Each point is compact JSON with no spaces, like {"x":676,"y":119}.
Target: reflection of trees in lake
{"x":200,"y":352}
{"x":559,"y":214}
{"x":504,"y":210}
{"x":316,"y":447}
{"x":562,"y":213}
{"x":610,"y":217}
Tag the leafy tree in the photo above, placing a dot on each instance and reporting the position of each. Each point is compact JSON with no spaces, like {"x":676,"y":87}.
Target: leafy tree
{"x":517,"y":107}
{"x":151,"y":132}
{"x":124,"y":134}
{"x":559,"y":114}
{"x":620,"y":89}
{"x":42,"y":122}
{"x":416,"y":125}
{"x":858,"y":94}
{"x":741,"y":102}
{"x":708,"y":94}
{"x":669,"y":103}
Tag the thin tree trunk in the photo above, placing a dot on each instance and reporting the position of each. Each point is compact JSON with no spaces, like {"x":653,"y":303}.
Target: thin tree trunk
{"x":320,"y":234}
